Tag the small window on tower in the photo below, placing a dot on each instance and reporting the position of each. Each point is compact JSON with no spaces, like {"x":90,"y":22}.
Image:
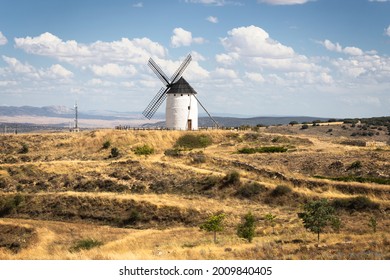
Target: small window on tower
{"x":181,"y":94}
{"x":174,"y":94}
{"x":189,"y":107}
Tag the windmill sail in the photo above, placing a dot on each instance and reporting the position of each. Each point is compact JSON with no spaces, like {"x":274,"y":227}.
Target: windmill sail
{"x":155,"y":103}
{"x":162,"y":93}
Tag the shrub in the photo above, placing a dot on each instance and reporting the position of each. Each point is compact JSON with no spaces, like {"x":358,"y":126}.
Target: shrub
{"x":133,"y":218}
{"x":198,"y":158}
{"x":192,"y":141}
{"x":24,"y":149}
{"x":280,"y":190}
{"x":173,"y":152}
{"x":355,"y":165}
{"x":250,"y":190}
{"x":372,"y":223}
{"x":114,"y":152}
{"x":265,"y":149}
{"x":144,"y":150}
{"x":358,"y":203}
{"x":106,"y":145}
{"x":232,"y":178}
{"x":247,"y":227}
{"x":85,"y":244}
{"x":305,"y":126}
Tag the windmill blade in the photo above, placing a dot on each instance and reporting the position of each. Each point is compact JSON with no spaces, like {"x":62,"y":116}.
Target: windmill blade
{"x":155,"y":103}
{"x":159,"y":73}
{"x":181,"y":69}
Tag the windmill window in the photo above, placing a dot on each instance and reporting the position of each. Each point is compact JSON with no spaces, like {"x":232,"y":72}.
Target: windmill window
{"x":174,"y":94}
{"x":189,"y":107}
{"x":181,"y":94}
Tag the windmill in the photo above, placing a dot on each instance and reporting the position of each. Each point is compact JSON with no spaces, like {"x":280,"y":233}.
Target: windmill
{"x":182,"y":105}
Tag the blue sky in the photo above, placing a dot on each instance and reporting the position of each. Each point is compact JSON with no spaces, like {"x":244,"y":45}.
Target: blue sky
{"x":325,"y":58}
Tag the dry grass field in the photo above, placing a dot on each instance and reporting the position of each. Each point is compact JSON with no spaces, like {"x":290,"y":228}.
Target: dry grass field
{"x":70,"y":196}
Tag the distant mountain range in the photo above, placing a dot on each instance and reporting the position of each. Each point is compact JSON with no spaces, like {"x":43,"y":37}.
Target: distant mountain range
{"x":68,"y":113}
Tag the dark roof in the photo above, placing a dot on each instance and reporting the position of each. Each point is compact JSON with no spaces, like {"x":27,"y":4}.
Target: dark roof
{"x":181,"y":86}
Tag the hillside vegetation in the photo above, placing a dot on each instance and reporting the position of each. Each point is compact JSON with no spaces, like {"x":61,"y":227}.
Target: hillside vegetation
{"x":114,"y":194}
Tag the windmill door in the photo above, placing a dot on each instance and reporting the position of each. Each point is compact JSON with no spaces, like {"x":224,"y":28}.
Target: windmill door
{"x":189,"y":124}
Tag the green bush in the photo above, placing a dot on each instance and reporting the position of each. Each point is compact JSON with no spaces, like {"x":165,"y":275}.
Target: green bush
{"x":144,"y":150}
{"x":280,"y":190}
{"x":247,"y":228}
{"x":355,"y":165}
{"x":173,"y":152}
{"x":232,"y":178}
{"x":85,"y":244}
{"x":265,"y":149}
{"x":358,"y":203}
{"x":24,"y":149}
{"x":114,"y":152}
{"x":192,"y":141}
{"x":305,"y":126}
{"x":106,"y":145}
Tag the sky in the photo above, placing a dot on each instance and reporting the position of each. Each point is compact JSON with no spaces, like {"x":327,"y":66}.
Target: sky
{"x":323,"y":58}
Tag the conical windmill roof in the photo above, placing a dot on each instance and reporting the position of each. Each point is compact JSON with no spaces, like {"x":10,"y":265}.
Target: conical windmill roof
{"x":181,"y":87}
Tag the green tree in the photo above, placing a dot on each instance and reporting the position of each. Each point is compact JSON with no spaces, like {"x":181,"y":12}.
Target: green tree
{"x":372,"y":223}
{"x":317,"y":215}
{"x":214,"y":224}
{"x":247,"y":228}
{"x":270,"y":219}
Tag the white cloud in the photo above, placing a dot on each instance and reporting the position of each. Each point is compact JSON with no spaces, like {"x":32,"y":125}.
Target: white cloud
{"x":338,"y":48}
{"x":182,"y":37}
{"x":124,"y":51}
{"x":387,"y":31}
{"x":225,"y":73}
{"x":3,"y":39}
{"x":254,"y":41}
{"x":58,"y":71}
{"x":138,"y":5}
{"x":226,"y":59}
{"x":112,"y":69}
{"x":284,"y":2}
{"x":255,"y":77}
{"x":212,"y":19}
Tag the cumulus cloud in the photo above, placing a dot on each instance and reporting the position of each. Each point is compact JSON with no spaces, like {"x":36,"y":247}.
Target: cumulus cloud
{"x":225,"y":73}
{"x":284,"y":2}
{"x":212,"y":19}
{"x":255,"y":77}
{"x":336,"y":47}
{"x":126,"y":51}
{"x":3,"y":39}
{"x":56,"y":71}
{"x":182,"y":37}
{"x":255,"y":41}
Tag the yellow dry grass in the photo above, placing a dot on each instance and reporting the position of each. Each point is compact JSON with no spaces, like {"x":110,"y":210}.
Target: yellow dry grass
{"x":82,"y":154}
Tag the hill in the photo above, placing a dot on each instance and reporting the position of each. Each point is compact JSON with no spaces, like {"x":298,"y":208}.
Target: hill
{"x":61,"y":191}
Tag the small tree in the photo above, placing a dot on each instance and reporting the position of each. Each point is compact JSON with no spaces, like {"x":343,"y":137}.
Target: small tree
{"x":214,"y":224}
{"x":372,"y":223}
{"x":317,"y":215}
{"x":270,"y":219}
{"x":24,"y":149}
{"x":247,"y":228}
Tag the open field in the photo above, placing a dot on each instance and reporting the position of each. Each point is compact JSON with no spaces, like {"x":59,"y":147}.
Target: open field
{"x":67,"y":196}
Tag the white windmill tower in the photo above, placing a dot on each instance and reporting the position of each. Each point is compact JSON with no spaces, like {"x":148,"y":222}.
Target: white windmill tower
{"x":182,"y":104}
